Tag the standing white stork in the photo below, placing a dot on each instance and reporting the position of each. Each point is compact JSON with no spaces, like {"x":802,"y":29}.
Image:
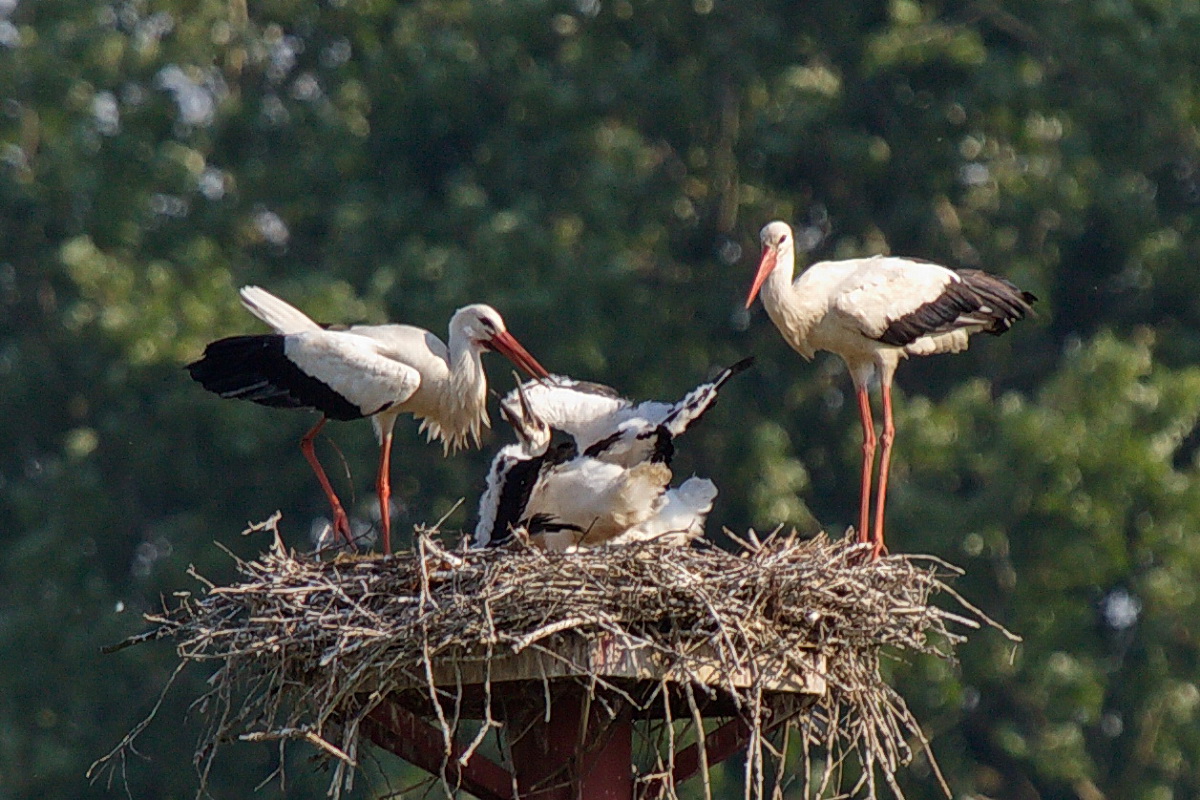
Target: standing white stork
{"x":376,"y":371}
{"x":560,"y":498}
{"x":873,"y":312}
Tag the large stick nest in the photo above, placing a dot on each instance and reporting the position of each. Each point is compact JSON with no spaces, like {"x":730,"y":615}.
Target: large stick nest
{"x":305,"y":648}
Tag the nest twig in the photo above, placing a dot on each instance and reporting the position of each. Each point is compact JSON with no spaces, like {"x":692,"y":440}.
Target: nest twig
{"x":305,"y":649}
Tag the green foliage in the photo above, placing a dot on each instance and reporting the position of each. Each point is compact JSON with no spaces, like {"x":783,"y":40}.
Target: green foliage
{"x":599,"y":172}
{"x":1072,"y":515}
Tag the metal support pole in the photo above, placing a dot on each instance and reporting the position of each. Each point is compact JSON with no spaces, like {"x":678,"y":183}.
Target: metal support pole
{"x":580,"y":753}
{"x":401,"y":732}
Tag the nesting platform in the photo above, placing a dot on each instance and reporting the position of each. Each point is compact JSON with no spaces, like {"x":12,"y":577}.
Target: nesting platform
{"x":610,"y":673}
{"x":639,"y":671}
{"x":568,"y":718}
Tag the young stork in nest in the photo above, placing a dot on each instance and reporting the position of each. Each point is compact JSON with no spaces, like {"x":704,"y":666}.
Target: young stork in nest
{"x":875,"y":312}
{"x":608,"y":484}
{"x":376,"y":371}
{"x":612,"y":428}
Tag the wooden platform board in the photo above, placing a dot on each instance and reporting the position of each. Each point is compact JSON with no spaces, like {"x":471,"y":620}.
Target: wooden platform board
{"x":640,"y":672}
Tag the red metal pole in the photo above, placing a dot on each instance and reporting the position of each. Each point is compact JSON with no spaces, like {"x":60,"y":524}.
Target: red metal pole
{"x":401,"y":732}
{"x":565,"y":759}
{"x":719,"y":745}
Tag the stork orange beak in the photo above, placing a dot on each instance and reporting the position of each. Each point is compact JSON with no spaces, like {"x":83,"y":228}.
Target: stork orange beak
{"x":504,"y":342}
{"x":764,"y":269}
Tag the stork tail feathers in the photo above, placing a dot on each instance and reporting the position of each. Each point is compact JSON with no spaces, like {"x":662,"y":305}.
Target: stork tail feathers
{"x":280,"y":315}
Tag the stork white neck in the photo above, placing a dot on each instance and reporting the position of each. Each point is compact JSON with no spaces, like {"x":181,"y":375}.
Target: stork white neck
{"x":793,"y":310}
{"x":462,"y":394}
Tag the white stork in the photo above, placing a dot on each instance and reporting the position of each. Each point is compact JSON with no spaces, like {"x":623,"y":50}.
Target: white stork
{"x":376,"y":371}
{"x":560,"y":498}
{"x":873,"y":312}
{"x":612,"y":428}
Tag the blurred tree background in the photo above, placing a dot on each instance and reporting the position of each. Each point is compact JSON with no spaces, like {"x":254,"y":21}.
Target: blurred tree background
{"x":599,"y":170}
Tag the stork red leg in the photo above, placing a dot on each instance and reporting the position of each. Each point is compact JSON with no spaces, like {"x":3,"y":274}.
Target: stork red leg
{"x":383,"y":487}
{"x":868,"y":451}
{"x":885,"y":461}
{"x":341,"y":523}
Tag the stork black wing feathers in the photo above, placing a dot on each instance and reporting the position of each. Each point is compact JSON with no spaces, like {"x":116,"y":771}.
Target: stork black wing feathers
{"x":980,"y":298}
{"x":663,"y":449}
{"x":1002,"y":299}
{"x":519,"y":481}
{"x":697,"y":402}
{"x":256,"y":368}
{"x":658,"y":435}
{"x":601,"y":445}
{"x":546,"y":523}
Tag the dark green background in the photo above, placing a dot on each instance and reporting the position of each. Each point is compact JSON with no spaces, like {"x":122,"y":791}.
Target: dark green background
{"x":599,"y":171}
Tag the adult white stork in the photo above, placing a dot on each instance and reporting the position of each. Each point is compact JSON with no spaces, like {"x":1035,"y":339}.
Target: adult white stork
{"x":376,"y":371}
{"x":560,"y":498}
{"x":873,"y":312}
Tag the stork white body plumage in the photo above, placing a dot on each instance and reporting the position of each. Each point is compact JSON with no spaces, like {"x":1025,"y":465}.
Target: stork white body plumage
{"x":612,"y":490}
{"x":586,"y":502}
{"x":874,"y":312}
{"x":680,"y":519}
{"x":376,"y":371}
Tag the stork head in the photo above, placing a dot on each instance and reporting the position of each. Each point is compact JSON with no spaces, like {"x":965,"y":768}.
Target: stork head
{"x":484,"y":328}
{"x":775,"y":236}
{"x":531,"y":429}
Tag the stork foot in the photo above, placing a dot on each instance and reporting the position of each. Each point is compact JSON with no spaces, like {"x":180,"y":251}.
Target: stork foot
{"x":864,"y":555}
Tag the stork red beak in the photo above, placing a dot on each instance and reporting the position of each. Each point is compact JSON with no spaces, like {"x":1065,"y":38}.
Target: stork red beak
{"x":505,"y":343}
{"x":764,"y":269}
